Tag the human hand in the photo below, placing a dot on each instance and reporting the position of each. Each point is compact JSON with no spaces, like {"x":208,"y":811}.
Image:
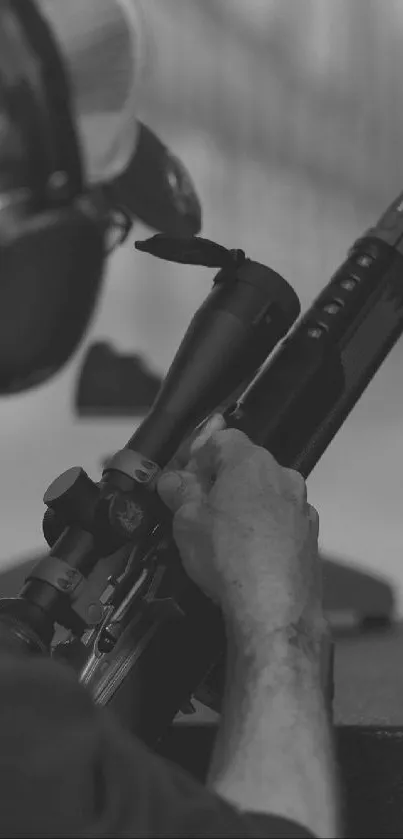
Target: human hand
{"x":245,"y":531}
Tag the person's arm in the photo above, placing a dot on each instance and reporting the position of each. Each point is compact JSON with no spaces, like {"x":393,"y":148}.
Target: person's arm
{"x":273,"y":752}
{"x":67,"y":768}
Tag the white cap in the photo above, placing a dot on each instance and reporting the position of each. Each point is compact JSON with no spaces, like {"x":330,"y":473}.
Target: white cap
{"x":102,"y":42}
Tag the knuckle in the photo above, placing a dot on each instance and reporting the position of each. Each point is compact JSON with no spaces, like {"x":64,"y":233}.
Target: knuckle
{"x":298,"y":484}
{"x":230,"y":437}
{"x":313,"y":514}
{"x":266,"y":457}
{"x":314,"y":518}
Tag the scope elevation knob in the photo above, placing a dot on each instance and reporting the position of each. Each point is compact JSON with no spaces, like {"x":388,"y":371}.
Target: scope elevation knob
{"x":73,"y":496}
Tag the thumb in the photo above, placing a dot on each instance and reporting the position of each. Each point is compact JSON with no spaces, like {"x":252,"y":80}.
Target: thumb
{"x":176,"y":489}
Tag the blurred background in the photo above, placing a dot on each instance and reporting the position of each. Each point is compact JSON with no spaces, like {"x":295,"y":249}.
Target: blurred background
{"x":288,"y":114}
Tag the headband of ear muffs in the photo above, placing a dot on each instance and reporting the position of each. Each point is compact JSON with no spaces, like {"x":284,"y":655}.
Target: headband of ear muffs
{"x":52,"y":241}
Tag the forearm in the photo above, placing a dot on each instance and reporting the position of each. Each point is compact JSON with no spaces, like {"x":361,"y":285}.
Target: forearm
{"x":274,"y":751}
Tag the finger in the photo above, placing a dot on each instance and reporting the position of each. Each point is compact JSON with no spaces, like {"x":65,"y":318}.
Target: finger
{"x":178,"y":488}
{"x":215,"y":422}
{"x":220,"y":449}
{"x":298,"y":484}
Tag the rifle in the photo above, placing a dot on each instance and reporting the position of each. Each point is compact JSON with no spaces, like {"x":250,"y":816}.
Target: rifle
{"x":111,"y":598}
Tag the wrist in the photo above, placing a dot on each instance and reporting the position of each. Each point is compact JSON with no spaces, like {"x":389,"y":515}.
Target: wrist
{"x":294,"y":651}
{"x":274,"y":752}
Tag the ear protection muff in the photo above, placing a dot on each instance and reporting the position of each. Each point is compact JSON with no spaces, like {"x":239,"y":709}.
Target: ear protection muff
{"x":52,"y":237}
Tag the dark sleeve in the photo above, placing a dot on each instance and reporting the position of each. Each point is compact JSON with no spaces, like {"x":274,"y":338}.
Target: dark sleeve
{"x":67,"y":769}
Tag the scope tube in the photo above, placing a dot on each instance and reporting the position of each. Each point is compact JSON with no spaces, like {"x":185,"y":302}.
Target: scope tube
{"x":249,"y":309}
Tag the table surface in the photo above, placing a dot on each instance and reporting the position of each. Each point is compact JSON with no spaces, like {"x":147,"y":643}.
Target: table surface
{"x":369,"y":678}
